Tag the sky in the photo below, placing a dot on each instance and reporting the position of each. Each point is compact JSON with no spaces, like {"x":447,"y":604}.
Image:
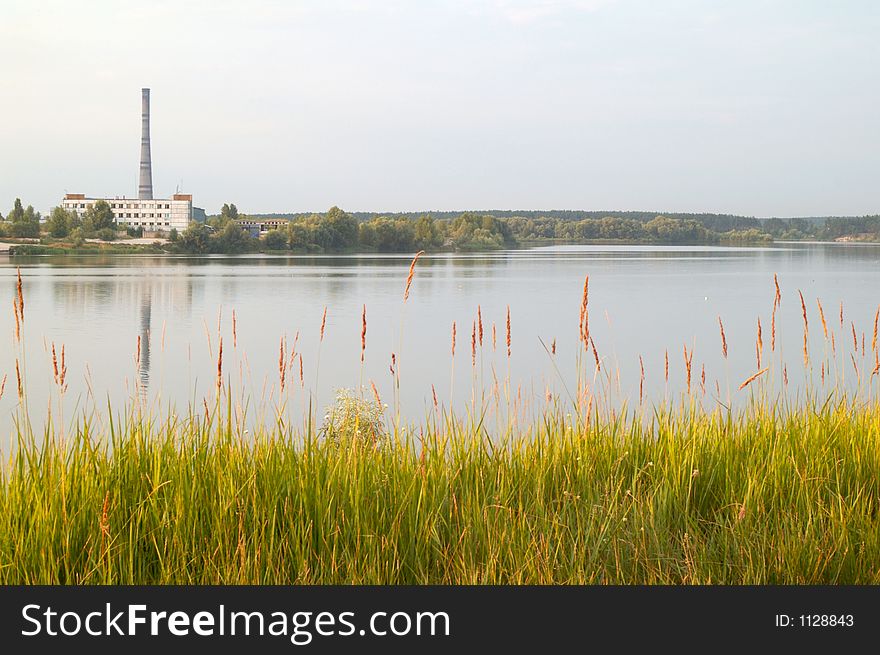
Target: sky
{"x":754,"y":107}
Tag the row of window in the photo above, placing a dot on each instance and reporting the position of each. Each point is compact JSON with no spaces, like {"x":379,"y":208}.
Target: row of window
{"x":143,"y":215}
{"x":131,"y":205}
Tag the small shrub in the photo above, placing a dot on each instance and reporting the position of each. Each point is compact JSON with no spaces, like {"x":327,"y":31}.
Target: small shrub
{"x":354,"y":418}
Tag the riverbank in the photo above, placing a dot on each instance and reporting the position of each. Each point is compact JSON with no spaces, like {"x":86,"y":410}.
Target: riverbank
{"x":773,"y":495}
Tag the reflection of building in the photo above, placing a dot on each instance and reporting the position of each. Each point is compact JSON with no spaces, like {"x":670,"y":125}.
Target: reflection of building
{"x":151,"y":214}
{"x":255,"y":227}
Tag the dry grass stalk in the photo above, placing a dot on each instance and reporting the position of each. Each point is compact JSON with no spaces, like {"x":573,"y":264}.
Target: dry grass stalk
{"x":434,"y":395}
{"x":703,"y":378}
{"x":773,"y":330}
{"x":375,"y":390}
{"x":282,"y":364}
{"x":494,"y":337}
{"x":855,"y":338}
{"x":301,"y":382}
{"x":723,"y":338}
{"x":20,"y":294}
{"x":234,"y":330}
{"x":508,"y":331}
{"x":595,"y":354}
{"x":220,"y":364}
{"x":759,"y":344}
{"x":753,"y":378}
{"x":553,"y":347}
{"x":412,"y":271}
{"x":874,"y":337}
{"x":3,"y":385}
{"x":363,"y":332}
{"x":806,"y":329}
{"x":822,"y":373}
{"x":55,"y":372}
{"x":480,"y":324}
{"x":137,"y":355}
{"x":323,"y":324}
{"x":641,"y":378}
{"x":474,"y":343}
{"x":666,"y":365}
{"x":777,"y":299}
{"x":822,"y":318}
{"x":18,"y":380}
{"x":453,"y":339}
{"x":583,"y":325}
{"x":687,"y":366}
{"x":785,"y":374}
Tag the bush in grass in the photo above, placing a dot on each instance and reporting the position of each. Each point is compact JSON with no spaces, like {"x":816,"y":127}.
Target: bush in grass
{"x":354,"y":418}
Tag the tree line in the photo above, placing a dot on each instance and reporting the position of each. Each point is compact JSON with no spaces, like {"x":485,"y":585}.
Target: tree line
{"x":340,"y":231}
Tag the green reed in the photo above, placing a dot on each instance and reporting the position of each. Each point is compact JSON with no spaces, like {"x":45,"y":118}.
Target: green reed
{"x":771,"y":494}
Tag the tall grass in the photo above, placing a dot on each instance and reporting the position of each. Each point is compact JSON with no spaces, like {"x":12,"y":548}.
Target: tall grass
{"x":768,"y":496}
{"x":778,"y":491}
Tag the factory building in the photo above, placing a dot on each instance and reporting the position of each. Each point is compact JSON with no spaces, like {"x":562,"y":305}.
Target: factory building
{"x":153,"y":215}
{"x":150,"y":214}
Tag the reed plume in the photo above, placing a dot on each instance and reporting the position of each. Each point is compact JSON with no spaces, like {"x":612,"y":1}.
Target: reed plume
{"x":754,"y":377}
{"x":703,"y":379}
{"x":494,"y":337}
{"x":2,"y":385}
{"x":20,"y":294}
{"x":584,"y":324}
{"x":480,"y":324}
{"x":363,"y":332}
{"x":723,"y":338}
{"x":412,"y":271}
{"x":777,"y":299}
{"x":841,"y":313}
{"x":375,"y":390}
{"x":822,"y":318}
{"x":773,"y":330}
{"x":434,"y":394}
{"x":553,"y":347}
{"x":301,"y":381}
{"x":508,"y":331}
{"x":323,"y":324}
{"x":855,"y":338}
{"x":474,"y":343}
{"x":595,"y":354}
{"x":137,"y":356}
{"x":806,"y":329}
{"x":687,"y":366}
{"x":874,"y":337}
{"x":234,"y":331}
{"x":666,"y":365}
{"x":759,"y":344}
{"x":453,"y":339}
{"x":641,"y":378}
{"x":55,"y":373}
{"x":220,"y":364}
{"x":282,"y":364}
{"x":18,"y":380}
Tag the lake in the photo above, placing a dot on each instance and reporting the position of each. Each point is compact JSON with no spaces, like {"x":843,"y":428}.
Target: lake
{"x":643,"y":301}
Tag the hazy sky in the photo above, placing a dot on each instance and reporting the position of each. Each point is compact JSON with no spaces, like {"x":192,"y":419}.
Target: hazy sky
{"x":758,"y":107}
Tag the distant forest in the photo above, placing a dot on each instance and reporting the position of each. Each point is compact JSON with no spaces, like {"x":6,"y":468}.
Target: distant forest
{"x":340,"y":231}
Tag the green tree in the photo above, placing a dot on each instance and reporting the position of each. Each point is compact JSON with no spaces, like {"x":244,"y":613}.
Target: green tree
{"x":173,"y":236}
{"x":195,"y":238}
{"x":99,"y":217}
{"x":24,"y":222}
{"x":231,"y":239}
{"x":61,"y":222}
{"x":275,"y":240}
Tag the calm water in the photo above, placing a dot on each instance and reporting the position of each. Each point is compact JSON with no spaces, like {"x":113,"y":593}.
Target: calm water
{"x":644,"y":300}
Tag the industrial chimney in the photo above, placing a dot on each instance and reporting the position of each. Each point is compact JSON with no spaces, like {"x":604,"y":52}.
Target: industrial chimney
{"x":145,"y":184}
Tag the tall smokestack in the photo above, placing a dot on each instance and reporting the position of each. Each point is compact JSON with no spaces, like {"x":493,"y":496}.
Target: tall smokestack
{"x":145,"y":185}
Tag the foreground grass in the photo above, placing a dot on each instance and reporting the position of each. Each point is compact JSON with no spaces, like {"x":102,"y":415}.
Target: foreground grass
{"x":765,"y":496}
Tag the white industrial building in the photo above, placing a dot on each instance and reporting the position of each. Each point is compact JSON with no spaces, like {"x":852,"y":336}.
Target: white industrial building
{"x":153,"y":215}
